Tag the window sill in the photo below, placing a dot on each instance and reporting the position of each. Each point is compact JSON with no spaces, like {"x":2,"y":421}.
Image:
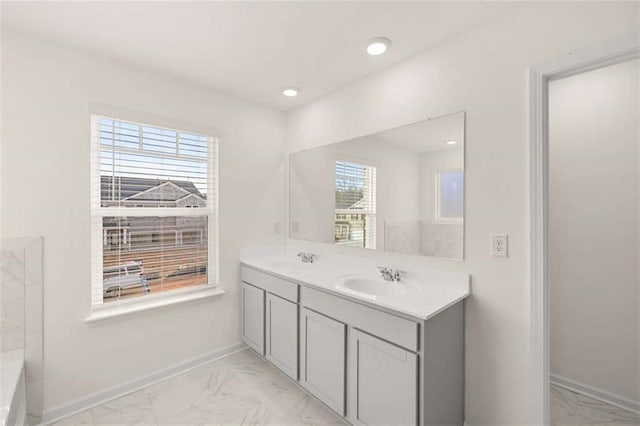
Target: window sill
{"x":128,"y":308}
{"x":448,"y":222}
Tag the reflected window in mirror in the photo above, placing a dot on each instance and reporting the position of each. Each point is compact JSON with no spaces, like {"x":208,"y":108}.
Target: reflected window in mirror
{"x":355,"y":204}
{"x":449,"y":196}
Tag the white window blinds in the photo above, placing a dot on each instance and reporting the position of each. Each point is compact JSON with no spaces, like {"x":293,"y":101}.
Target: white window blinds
{"x":154,"y":204}
{"x":355,"y":204}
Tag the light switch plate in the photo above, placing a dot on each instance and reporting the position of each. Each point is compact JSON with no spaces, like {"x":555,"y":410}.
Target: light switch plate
{"x":499,"y":245}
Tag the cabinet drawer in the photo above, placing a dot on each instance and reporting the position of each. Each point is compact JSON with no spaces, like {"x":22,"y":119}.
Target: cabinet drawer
{"x":278,"y":286}
{"x":389,"y":327}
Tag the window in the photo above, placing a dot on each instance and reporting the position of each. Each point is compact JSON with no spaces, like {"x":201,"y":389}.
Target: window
{"x":144,"y":242}
{"x":449,"y":196}
{"x":342,"y":231}
{"x":192,"y":236}
{"x":355,"y":204}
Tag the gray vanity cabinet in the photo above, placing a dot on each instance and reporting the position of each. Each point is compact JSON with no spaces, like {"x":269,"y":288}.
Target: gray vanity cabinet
{"x":323,"y":358}
{"x":370,"y":365}
{"x":253,"y":317}
{"x":282,"y":334}
{"x":270,"y":318}
{"x":383,"y":382}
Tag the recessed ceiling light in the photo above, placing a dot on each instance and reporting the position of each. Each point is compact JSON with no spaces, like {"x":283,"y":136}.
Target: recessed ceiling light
{"x":291,"y":91}
{"x":452,"y":142}
{"x":378,"y":45}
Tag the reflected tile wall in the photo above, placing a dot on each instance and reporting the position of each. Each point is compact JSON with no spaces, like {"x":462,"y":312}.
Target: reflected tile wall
{"x":402,"y":237}
{"x":424,"y":238}
{"x":442,"y":240}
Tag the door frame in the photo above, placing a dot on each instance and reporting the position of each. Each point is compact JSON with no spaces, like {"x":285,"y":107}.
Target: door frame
{"x":620,"y":50}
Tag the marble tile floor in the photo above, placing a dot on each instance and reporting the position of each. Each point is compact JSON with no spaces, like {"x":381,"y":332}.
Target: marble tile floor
{"x":570,"y":408}
{"x":240,"y":389}
{"x":243,"y":389}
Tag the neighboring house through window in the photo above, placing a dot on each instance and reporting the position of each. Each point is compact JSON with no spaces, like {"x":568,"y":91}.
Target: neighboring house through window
{"x":355,"y":204}
{"x":143,"y":178}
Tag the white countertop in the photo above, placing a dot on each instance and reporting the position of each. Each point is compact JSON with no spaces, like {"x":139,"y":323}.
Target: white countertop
{"x":423,"y":292}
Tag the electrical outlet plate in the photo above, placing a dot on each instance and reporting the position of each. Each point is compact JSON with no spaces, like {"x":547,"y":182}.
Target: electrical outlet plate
{"x":499,"y":245}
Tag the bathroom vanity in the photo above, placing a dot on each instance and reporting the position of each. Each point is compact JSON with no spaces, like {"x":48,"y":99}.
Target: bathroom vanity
{"x":373,"y":351}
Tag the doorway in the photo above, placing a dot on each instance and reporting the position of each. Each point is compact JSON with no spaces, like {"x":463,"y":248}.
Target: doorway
{"x":541,"y":78}
{"x":594,"y":206}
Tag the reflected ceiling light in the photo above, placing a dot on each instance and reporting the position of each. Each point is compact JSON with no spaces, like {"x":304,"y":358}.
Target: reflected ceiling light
{"x":291,"y":91}
{"x":378,"y":45}
{"x":452,"y":142}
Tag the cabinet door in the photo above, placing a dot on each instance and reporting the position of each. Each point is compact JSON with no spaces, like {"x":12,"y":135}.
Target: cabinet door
{"x":282,"y":334}
{"x":383,"y":382}
{"x":323,"y":358}
{"x":253,"y":317}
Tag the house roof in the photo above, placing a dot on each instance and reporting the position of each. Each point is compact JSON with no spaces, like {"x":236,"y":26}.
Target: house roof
{"x":189,"y":195}
{"x":120,"y":188}
{"x":350,"y":199}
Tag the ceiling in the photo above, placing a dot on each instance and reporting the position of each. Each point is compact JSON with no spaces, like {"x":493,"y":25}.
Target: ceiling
{"x":253,"y":49}
{"x":428,"y":135}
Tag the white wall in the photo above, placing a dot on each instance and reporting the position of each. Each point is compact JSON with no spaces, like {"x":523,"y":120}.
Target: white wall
{"x":397,"y":179}
{"x":484,"y":74}
{"x":45,"y":190}
{"x":438,"y":239}
{"x":594,"y":226}
{"x":312,"y":194}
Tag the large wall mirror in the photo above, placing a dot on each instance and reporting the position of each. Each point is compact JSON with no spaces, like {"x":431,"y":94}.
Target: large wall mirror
{"x":401,"y":190}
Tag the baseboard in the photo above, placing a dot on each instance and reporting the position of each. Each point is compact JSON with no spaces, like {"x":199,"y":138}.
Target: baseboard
{"x":595,"y":393}
{"x":65,"y":410}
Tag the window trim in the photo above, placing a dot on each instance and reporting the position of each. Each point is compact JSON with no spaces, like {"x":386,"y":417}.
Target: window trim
{"x":126,"y":306}
{"x":436,"y":214}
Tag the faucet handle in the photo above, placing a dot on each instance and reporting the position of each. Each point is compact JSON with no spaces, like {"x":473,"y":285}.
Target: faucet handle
{"x":307,"y":257}
{"x":385,"y":272}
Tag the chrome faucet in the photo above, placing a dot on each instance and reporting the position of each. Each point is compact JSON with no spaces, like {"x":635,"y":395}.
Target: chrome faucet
{"x":389,"y":274}
{"x":306,"y":257}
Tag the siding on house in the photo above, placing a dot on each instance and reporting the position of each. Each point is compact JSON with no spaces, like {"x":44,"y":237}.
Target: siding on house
{"x":151,"y":232}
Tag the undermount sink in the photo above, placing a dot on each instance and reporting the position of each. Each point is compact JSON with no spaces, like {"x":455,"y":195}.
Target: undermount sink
{"x":371,"y":287}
